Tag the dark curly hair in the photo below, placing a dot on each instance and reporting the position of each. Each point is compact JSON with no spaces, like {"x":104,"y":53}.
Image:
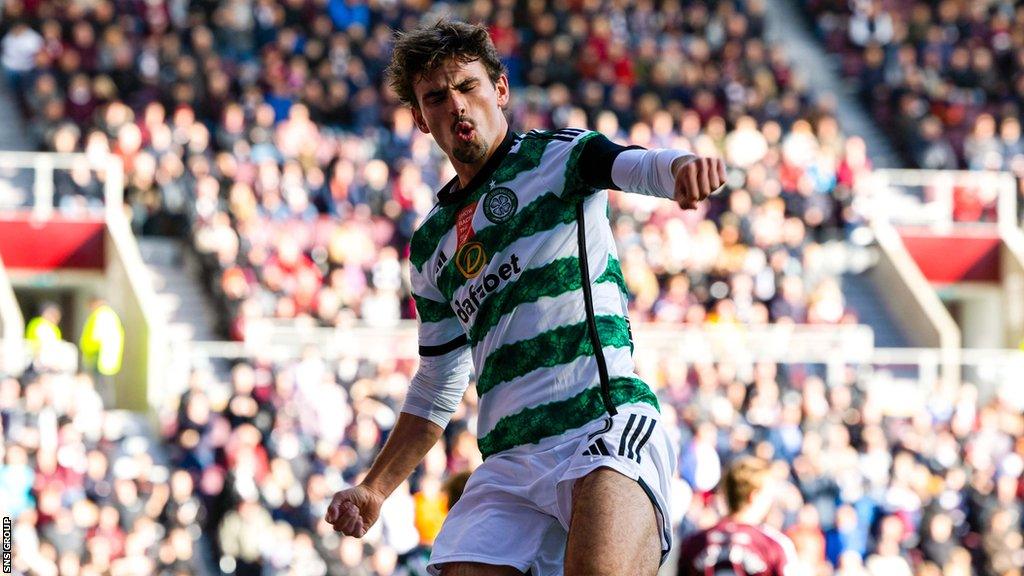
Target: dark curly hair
{"x":421,"y":51}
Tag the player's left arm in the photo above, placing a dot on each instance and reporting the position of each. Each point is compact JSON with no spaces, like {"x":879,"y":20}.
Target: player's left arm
{"x":674,"y":174}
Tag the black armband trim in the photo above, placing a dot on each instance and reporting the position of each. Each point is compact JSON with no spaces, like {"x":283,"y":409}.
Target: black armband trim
{"x":596,"y":160}
{"x":445,"y":348}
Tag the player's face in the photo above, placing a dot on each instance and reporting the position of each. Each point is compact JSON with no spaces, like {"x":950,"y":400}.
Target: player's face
{"x":462,"y":108}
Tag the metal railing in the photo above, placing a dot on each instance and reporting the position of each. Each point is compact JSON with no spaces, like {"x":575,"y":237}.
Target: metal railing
{"x":885,"y":195}
{"x":12,"y":328}
{"x":831,"y":346}
{"x":834,"y":349}
{"x":992,"y":371}
{"x":43,"y":166}
{"x":788,"y":342}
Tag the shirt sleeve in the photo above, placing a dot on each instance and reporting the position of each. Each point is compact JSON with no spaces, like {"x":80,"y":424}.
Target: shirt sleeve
{"x":596,"y":161}
{"x":605,"y":165}
{"x":786,"y":558}
{"x":439,"y":329}
{"x":445,"y":358}
{"x":688,"y":551}
{"x":648,"y":172}
{"x":439,"y":385}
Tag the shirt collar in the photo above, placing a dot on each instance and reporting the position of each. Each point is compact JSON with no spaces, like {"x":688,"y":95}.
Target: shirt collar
{"x":453,"y":194}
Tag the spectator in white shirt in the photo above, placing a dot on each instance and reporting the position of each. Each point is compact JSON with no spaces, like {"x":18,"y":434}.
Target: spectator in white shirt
{"x":18,"y":54}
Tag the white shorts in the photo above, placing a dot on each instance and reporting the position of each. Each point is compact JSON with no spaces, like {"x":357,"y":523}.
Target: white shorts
{"x":516,"y":507}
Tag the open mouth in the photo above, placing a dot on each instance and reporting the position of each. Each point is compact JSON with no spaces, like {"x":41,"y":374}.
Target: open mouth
{"x":465,"y":131}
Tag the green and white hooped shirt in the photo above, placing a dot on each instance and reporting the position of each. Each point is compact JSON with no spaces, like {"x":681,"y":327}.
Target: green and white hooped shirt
{"x":519,"y":269}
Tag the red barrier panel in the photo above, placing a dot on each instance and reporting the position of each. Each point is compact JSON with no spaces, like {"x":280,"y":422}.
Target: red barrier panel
{"x":957,"y":257}
{"x":57,"y":243}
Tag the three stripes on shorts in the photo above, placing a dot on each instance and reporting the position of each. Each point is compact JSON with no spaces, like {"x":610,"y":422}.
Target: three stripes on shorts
{"x":635,"y":435}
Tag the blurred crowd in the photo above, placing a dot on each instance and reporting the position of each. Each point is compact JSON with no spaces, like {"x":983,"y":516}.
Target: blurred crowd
{"x":946,"y":78}
{"x":82,"y":487}
{"x":877,"y":479}
{"x":270,"y":444}
{"x":263,"y":133}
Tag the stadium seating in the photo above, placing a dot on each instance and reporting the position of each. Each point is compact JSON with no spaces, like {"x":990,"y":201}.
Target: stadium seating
{"x":84,"y":489}
{"x":261,"y":133}
{"x":866,"y":481}
{"x":945,"y":78}
{"x":299,"y":180}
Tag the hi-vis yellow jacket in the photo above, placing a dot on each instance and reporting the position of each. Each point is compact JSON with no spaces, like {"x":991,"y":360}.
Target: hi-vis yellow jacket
{"x":102,"y":341}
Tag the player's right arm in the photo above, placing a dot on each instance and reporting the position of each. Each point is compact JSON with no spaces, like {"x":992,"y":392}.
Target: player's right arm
{"x":665,"y":173}
{"x":433,"y":395}
{"x":353,"y":511}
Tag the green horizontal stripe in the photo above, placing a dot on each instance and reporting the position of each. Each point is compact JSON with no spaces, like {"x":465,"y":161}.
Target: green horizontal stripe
{"x":613,"y":273}
{"x":531,"y":425}
{"x":558,"y":277}
{"x":552,"y":348}
{"x":541,"y":215}
{"x":554,"y":279}
{"x":432,"y":311}
{"x":426,"y":238}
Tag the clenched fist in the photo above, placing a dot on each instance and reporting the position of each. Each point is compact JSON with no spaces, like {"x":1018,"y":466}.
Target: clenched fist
{"x":352,"y":512}
{"x":696,"y":179}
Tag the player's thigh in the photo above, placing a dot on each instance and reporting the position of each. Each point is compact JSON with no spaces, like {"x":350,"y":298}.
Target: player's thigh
{"x":477,"y":569}
{"x":614,"y":529}
{"x":495,"y":528}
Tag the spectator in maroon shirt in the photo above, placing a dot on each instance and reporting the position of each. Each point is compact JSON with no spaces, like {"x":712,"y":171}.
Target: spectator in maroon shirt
{"x":738,"y":544}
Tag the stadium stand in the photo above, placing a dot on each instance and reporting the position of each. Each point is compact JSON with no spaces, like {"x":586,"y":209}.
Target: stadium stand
{"x":299,"y":207}
{"x":272,"y":444}
{"x":867,"y":480}
{"x":944,"y":77}
{"x":259,"y":131}
{"x":85,"y":486}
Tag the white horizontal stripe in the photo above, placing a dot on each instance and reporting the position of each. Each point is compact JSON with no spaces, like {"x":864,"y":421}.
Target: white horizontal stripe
{"x":438,"y":333}
{"x":549,"y":385}
{"x":531,"y":319}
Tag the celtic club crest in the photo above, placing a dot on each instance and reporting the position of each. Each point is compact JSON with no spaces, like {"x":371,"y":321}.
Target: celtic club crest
{"x":500,"y":205}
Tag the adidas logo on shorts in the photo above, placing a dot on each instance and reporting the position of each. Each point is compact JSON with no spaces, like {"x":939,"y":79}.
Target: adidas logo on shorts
{"x":634,"y":437}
